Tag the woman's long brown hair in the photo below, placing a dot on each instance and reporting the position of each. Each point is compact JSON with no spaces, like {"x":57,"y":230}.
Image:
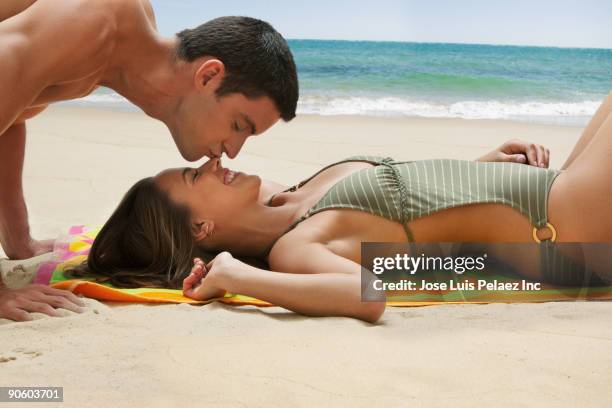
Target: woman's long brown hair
{"x":147,"y":242}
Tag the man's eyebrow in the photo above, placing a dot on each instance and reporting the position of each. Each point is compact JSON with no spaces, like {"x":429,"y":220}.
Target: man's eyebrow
{"x":185,"y":170}
{"x":250,"y":123}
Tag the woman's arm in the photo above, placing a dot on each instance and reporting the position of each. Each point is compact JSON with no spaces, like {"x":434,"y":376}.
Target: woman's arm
{"x":314,"y":282}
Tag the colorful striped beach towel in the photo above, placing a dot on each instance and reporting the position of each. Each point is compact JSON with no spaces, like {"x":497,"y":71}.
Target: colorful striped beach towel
{"x":74,"y":248}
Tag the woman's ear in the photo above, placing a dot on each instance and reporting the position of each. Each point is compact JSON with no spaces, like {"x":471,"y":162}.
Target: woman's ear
{"x":208,"y":71}
{"x":202,"y":229}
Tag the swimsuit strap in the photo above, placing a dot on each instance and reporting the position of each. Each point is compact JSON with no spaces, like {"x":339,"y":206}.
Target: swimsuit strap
{"x":376,"y":160}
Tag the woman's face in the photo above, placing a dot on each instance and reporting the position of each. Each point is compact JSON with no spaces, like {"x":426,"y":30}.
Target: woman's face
{"x":211,"y":192}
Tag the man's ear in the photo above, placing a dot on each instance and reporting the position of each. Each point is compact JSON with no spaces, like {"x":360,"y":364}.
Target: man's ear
{"x":202,"y":229}
{"x":210,"y":71}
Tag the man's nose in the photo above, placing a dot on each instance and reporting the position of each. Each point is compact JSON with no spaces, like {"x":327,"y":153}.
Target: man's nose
{"x":234,"y":145}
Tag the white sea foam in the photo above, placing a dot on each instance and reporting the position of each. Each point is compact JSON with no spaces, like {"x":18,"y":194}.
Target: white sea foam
{"x":394,"y":106}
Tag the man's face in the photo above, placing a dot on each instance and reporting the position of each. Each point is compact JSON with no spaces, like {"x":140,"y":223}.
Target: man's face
{"x":207,"y":125}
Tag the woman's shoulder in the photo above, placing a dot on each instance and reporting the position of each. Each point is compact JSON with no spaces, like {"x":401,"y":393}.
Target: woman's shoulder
{"x":305,"y":240}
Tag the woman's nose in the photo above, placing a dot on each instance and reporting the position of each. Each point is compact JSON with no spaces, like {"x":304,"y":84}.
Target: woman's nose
{"x":211,"y":165}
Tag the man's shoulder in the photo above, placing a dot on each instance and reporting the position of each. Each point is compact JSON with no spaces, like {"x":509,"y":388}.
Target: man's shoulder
{"x":67,"y":15}
{"x":135,"y":11}
{"x":80,"y":19}
{"x":113,"y":16}
{"x":55,"y":40}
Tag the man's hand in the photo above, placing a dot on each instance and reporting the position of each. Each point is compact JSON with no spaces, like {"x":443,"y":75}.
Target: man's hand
{"x":15,"y":304}
{"x":519,"y":151}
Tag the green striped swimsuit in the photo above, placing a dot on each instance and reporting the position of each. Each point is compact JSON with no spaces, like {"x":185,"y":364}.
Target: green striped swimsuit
{"x":403,"y":191}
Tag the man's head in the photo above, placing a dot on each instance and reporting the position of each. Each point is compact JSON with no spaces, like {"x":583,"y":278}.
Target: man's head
{"x":243,"y":80}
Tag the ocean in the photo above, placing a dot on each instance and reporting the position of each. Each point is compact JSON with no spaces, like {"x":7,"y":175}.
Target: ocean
{"x":538,"y":84}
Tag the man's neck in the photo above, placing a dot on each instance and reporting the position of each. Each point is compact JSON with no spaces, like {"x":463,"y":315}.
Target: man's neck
{"x":148,"y":74}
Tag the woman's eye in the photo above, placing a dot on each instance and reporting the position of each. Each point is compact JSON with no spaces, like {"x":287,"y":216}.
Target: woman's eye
{"x":195,"y":175}
{"x":236,"y":127}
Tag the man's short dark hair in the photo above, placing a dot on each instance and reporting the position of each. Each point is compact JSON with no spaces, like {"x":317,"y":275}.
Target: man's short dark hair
{"x":257,"y":59}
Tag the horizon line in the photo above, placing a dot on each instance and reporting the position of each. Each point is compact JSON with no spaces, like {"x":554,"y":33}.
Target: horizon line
{"x":450,"y":43}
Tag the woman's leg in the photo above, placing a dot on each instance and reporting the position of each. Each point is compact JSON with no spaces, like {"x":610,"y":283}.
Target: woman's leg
{"x":605,"y":109}
{"x":582,"y":205}
{"x":580,"y":201}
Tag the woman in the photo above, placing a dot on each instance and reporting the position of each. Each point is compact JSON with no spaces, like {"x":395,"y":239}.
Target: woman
{"x":310,"y":234}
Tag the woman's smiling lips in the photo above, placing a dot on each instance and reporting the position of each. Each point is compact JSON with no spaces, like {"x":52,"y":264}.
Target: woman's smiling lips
{"x":226,"y":176}
{"x":229,"y":176}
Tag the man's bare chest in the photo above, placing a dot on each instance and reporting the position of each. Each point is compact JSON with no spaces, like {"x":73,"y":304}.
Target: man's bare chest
{"x":69,"y":89}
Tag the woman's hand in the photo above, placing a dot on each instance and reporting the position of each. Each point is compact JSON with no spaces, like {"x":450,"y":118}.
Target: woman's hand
{"x":519,"y":151}
{"x":205,"y":281}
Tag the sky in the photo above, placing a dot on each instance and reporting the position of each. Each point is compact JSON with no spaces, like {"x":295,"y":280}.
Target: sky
{"x":558,"y":23}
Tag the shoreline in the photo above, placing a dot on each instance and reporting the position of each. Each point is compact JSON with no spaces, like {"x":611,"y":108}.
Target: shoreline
{"x":564,"y":121}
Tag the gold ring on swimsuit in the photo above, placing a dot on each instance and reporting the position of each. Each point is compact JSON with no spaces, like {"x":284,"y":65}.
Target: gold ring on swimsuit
{"x":552,"y":229}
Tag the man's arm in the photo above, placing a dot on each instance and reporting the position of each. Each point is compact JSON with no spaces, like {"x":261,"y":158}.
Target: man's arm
{"x":10,"y":84}
{"x":14,"y":231}
{"x":37,"y":51}
{"x":10,"y":53}
{"x":16,"y":304}
{"x":19,"y":67}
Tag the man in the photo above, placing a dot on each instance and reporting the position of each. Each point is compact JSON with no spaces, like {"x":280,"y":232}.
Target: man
{"x":213,"y":86}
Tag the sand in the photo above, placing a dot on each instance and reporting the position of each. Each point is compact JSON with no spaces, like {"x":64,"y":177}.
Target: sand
{"x":80,"y":162}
